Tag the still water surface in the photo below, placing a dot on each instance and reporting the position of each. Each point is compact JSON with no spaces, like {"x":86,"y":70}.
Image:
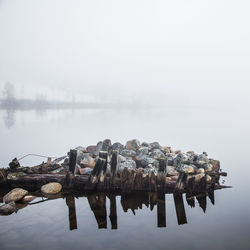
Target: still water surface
{"x":222,"y":132}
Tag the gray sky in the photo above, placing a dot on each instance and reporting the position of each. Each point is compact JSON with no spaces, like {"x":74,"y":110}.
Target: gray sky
{"x":198,"y":50}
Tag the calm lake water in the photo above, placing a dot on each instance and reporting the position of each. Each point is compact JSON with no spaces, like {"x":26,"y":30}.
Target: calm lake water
{"x":222,"y":132}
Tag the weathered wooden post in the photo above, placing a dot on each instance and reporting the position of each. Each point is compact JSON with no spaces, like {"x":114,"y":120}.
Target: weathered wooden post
{"x":161,"y":177}
{"x":70,"y":201}
{"x":179,"y":187}
{"x":113,"y":168}
{"x":180,"y":209}
{"x":161,"y":210}
{"x":72,"y":160}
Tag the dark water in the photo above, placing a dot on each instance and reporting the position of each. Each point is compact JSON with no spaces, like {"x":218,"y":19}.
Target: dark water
{"x":223,"y":133}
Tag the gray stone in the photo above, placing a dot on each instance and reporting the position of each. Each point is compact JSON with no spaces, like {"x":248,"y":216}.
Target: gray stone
{"x":201,"y":159}
{"x":143,"y":150}
{"x":118,"y":146}
{"x":188,"y":169}
{"x":106,"y":144}
{"x":156,"y":154}
{"x":170,"y":157}
{"x":155,"y":145}
{"x":129,"y":163}
{"x":7,"y":209}
{"x":145,"y":160}
{"x":171,"y":170}
{"x":145,"y":144}
{"x":128,"y":153}
{"x":87,"y":161}
{"x":15,"y":194}
{"x":133,"y":145}
{"x":181,"y":158}
{"x":51,"y":188}
{"x":150,"y":168}
{"x":91,"y":149}
{"x":80,"y":148}
{"x":207,"y":167}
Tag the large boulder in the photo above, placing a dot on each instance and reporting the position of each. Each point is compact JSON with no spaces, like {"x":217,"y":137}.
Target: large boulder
{"x":15,"y":194}
{"x":133,"y":145}
{"x":51,"y":188}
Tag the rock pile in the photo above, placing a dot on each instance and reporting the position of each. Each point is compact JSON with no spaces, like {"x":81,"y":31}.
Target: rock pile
{"x":136,"y":155}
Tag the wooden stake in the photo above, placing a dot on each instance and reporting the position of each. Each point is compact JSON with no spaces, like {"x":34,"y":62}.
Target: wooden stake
{"x":72,"y":160}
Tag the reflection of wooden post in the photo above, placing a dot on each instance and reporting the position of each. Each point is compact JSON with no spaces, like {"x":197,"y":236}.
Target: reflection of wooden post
{"x":72,"y":160}
{"x":211,"y":196}
{"x":202,"y":199}
{"x":152,"y":200}
{"x":113,"y":215}
{"x":180,"y":209}
{"x":161,"y":210}
{"x":98,"y":206}
{"x":70,"y":201}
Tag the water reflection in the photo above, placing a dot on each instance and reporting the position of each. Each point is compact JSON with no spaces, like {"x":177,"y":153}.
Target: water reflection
{"x":97,"y":204}
{"x":9,"y":118}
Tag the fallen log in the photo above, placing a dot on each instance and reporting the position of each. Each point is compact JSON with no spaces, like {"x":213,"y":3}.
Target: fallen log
{"x":125,"y":183}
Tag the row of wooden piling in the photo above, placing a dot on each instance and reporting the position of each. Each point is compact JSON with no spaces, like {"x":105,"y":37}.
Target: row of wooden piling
{"x":135,"y":179}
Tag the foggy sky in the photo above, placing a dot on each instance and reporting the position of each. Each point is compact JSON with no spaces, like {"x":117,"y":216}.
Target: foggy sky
{"x":198,"y":50}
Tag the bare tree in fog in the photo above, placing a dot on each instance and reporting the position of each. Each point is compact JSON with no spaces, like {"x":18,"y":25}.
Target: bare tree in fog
{"x":8,"y":95}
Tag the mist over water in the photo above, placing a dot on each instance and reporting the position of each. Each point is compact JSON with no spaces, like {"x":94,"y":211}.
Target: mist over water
{"x":73,"y":73}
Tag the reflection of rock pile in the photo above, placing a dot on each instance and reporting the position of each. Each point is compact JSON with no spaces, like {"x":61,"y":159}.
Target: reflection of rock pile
{"x":97,"y":204}
{"x":134,"y":166}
